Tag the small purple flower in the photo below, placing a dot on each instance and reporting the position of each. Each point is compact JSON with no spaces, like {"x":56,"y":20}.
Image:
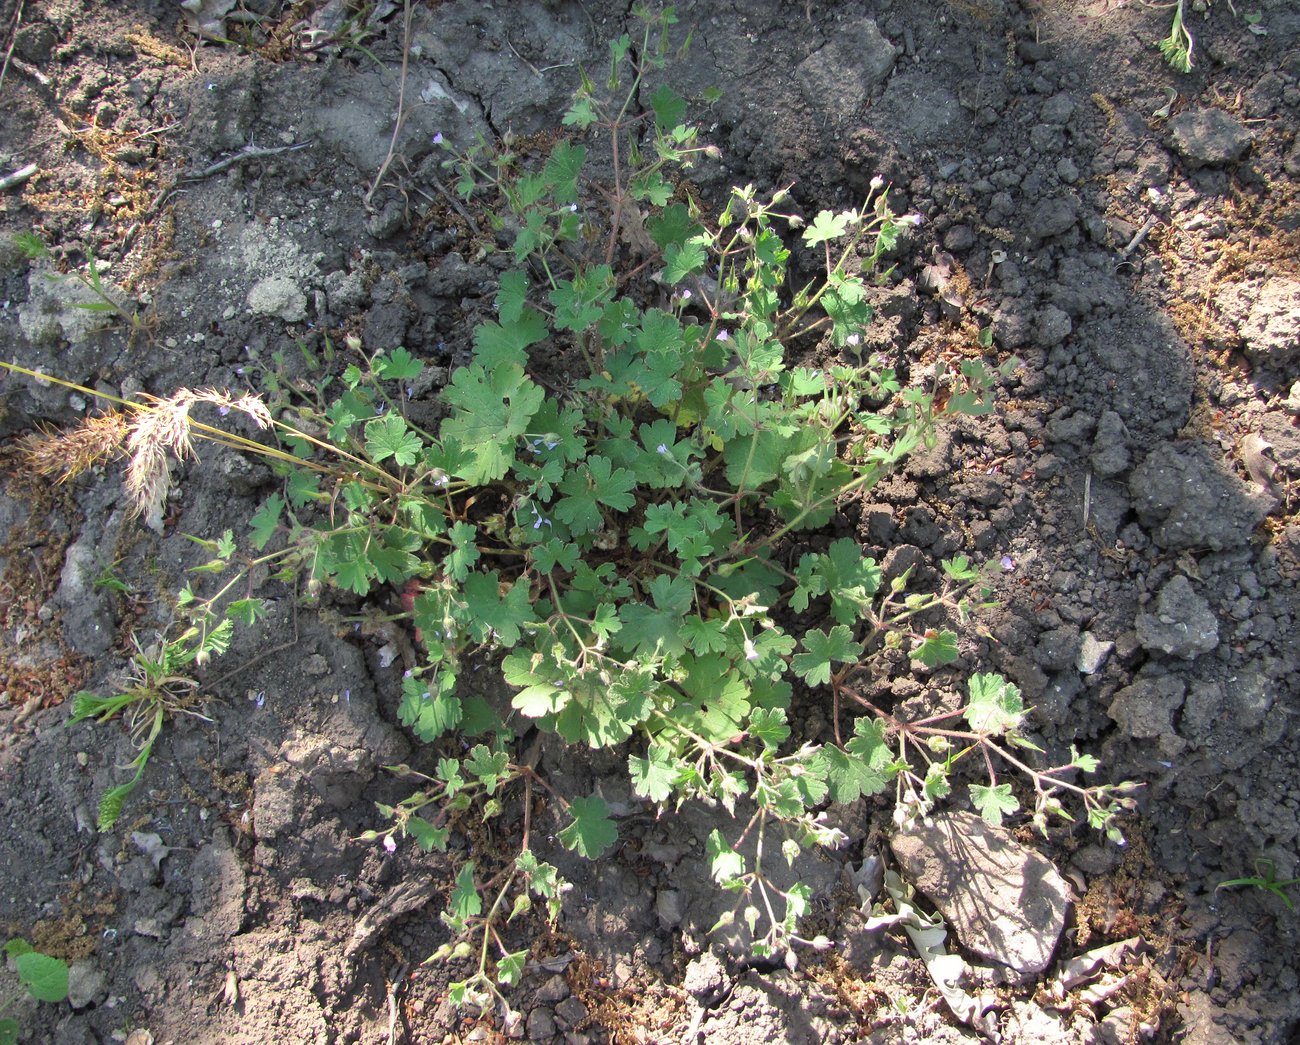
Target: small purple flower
{"x":261,"y":698}
{"x":686,"y":295}
{"x":722,"y":335}
{"x":223,"y":410}
{"x":1008,"y":563}
{"x":437,"y":138}
{"x":853,"y":339}
{"x":751,"y":651}
{"x":390,"y":844}
{"x":662,"y":448}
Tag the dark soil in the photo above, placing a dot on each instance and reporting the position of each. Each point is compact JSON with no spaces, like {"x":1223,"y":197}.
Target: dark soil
{"x":1129,"y":232}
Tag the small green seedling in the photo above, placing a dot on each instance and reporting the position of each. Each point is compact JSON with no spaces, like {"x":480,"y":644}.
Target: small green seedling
{"x":1265,"y":878}
{"x":1177,"y":46}
{"x":43,"y":977}
{"x":106,"y":303}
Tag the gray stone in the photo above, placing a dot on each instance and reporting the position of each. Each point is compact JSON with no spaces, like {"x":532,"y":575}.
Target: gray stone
{"x":959,"y":238}
{"x":570,"y":1012}
{"x":1272,"y":328}
{"x":1057,"y":110}
{"x":1145,"y":710}
{"x":554,"y":989}
{"x":61,"y":306}
{"x":1050,"y":218}
{"x":1092,"y":653}
{"x":1183,"y":624}
{"x":1188,"y":499}
{"x":1208,"y":138}
{"x":839,"y":76}
{"x":86,"y":984}
{"x":540,"y":1025}
{"x":280,"y":297}
{"x":670,"y":906}
{"x":339,"y":774}
{"x":1004,"y":902}
{"x":275,"y":803}
{"x":1012,"y":324}
{"x":345,"y":291}
{"x":705,"y":977}
{"x":1057,"y":648}
{"x":88,"y":621}
{"x":1110,"y":454}
{"x":1052,"y":326}
{"x":387,"y":222}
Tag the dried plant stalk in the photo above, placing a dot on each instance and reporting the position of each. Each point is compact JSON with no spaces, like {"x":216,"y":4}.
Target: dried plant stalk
{"x":66,"y":455}
{"x":147,"y":436}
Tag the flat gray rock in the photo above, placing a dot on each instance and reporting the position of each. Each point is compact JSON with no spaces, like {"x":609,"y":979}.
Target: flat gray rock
{"x":1190,"y":499}
{"x":1004,"y":902}
{"x":1272,"y":328}
{"x":1208,"y":138}
{"x":1183,"y":624}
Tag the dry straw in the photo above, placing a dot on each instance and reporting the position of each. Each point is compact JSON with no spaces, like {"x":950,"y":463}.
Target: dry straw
{"x":146,"y":435}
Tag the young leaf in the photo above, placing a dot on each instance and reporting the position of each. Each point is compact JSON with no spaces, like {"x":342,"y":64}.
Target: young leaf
{"x":603,"y":484}
{"x":45,"y":978}
{"x":936,"y":647}
{"x":510,"y":967}
{"x":427,"y":836}
{"x":995,"y":706}
{"x":825,"y":649}
{"x":464,"y":553}
{"x":511,"y":295}
{"x":492,"y":616}
{"x":993,"y":802}
{"x":669,"y":107}
{"x":863,"y":767}
{"x":563,"y":169}
{"x":592,"y":831}
{"x":580,"y":114}
{"x":465,"y":901}
{"x":489,"y":766}
{"x":539,"y":700}
{"x":769,"y":726}
{"x":653,"y":777}
{"x":491,"y":412}
{"x":826,"y":227}
{"x":504,"y":344}
{"x":674,"y":225}
{"x":428,"y":709}
{"x":681,"y":261}
{"x":725,"y":864}
{"x":388,"y":436}
{"x":398,"y":365}
{"x":264,"y":522}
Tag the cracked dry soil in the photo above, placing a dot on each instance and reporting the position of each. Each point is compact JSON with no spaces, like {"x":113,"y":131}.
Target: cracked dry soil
{"x":1131,"y":233}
